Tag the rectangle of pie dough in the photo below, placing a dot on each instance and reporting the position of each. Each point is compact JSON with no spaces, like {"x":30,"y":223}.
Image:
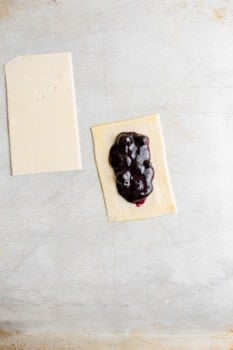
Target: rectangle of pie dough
{"x":161,"y":200}
{"x":42,"y":114}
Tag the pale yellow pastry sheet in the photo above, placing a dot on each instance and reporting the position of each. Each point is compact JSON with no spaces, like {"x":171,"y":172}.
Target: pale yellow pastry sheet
{"x":42,"y":114}
{"x":161,"y":201}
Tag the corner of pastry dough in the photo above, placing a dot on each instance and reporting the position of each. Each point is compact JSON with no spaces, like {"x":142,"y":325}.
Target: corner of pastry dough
{"x":12,"y":61}
{"x":173,"y":208}
{"x":161,"y":201}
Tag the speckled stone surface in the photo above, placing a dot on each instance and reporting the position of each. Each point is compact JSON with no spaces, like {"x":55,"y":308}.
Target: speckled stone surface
{"x":63,"y":267}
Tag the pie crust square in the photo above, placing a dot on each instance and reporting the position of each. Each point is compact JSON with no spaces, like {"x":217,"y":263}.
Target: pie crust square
{"x":161,"y":200}
{"x":42,"y":114}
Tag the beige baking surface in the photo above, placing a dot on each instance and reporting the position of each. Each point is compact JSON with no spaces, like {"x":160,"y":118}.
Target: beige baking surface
{"x":161,"y":201}
{"x":42,"y":114}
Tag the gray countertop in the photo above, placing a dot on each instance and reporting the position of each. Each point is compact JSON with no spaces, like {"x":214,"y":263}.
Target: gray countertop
{"x":63,"y":267}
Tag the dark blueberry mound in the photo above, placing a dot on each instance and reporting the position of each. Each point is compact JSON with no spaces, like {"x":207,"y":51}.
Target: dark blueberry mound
{"x":130,"y":158}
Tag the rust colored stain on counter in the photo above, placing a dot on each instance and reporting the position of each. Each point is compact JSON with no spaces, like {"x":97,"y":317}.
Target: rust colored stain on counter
{"x":7,"y":334}
{"x":135,"y":340}
{"x":5,"y":8}
{"x":11,"y":347}
{"x":220,"y":14}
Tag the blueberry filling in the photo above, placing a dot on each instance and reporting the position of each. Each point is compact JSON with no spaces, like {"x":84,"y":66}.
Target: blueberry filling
{"x":130,"y":158}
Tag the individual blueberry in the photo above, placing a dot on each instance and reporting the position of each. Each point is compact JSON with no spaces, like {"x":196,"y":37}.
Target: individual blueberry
{"x":123,"y":179}
{"x":141,"y":140}
{"x":125,"y":139}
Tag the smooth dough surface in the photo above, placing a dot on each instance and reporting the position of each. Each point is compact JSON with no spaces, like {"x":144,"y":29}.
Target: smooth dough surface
{"x":161,"y":200}
{"x":42,"y":114}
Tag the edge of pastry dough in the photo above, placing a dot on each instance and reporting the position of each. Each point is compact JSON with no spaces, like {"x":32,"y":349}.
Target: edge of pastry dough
{"x":171,"y":208}
{"x":78,"y":143}
{"x":174,"y":209}
{"x":18,"y":57}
